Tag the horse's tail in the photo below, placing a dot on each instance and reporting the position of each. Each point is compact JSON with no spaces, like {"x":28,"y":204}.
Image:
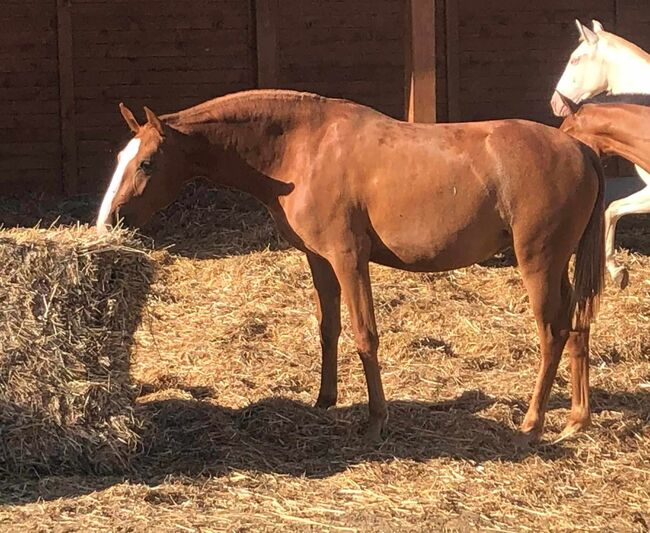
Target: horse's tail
{"x":589,"y":276}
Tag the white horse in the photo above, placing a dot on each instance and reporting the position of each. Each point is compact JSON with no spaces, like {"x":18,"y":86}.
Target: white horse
{"x":604,"y":62}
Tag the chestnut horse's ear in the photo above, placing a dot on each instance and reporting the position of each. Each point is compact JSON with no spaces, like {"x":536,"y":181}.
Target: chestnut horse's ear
{"x":129,"y":118}
{"x":597,"y":26}
{"x":153,"y":120}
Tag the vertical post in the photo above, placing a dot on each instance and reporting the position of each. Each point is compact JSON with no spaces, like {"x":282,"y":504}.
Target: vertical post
{"x":420,"y":86}
{"x":453,"y":60}
{"x":66,"y":98}
{"x":266,"y":17}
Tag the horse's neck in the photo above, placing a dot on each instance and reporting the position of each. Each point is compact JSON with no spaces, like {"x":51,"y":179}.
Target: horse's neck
{"x":242,"y":154}
{"x":623,"y":136}
{"x":629,"y":70}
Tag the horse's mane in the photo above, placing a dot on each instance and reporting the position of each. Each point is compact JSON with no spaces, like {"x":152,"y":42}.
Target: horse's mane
{"x":634,"y":98}
{"x":253,"y":100}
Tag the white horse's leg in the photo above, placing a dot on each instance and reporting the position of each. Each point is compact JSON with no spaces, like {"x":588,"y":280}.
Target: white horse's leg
{"x":636,"y":203}
{"x":645,"y":176}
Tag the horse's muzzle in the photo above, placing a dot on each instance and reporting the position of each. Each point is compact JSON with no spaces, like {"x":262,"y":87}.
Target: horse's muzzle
{"x":110,"y":222}
{"x":559,"y":106}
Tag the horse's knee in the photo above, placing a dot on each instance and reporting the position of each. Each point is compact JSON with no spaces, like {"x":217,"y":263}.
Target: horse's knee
{"x":329,"y":334}
{"x":577,"y":345}
{"x":367,"y":345}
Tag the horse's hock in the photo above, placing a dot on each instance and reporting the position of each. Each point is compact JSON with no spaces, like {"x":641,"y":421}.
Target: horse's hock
{"x":70,"y":301}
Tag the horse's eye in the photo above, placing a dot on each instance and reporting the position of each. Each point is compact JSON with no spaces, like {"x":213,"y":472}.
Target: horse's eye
{"x":146,"y":165}
{"x":575,"y":61}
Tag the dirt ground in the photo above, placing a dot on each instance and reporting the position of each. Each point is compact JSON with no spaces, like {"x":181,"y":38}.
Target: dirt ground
{"x":227,"y":357}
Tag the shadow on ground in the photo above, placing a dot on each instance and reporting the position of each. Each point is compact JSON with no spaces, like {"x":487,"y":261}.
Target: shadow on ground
{"x":199,"y":438}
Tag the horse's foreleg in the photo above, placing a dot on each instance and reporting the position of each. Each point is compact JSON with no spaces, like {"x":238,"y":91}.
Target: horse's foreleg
{"x":645,"y":176}
{"x":351,"y":269}
{"x":328,"y":312}
{"x":639,"y":202}
{"x":553,"y":322}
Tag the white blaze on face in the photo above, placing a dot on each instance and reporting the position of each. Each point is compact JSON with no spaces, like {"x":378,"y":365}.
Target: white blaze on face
{"x":123,"y":159}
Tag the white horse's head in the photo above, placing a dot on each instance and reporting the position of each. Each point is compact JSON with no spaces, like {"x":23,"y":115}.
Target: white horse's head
{"x":586,"y":73}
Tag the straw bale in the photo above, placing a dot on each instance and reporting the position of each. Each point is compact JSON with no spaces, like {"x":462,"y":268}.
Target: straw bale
{"x":70,"y":301}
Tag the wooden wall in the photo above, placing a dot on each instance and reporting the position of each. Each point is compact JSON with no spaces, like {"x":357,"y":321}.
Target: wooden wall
{"x":166,"y":55}
{"x":30,"y":152}
{"x":512,"y":53}
{"x":633,"y":21}
{"x":66,"y":64}
{"x":344,"y":49}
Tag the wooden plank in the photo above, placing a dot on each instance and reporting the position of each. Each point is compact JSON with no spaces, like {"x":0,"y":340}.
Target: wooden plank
{"x":420,"y":65}
{"x":28,"y":148}
{"x":28,"y":79}
{"x":101,"y":19}
{"x":177,"y":64}
{"x":170,"y":91}
{"x":183,"y":49}
{"x":151,"y":77}
{"x":138,"y":37}
{"x":266,"y":29}
{"x":453,"y":60}
{"x":468,"y":8}
{"x":66,"y":91}
{"x":22,"y":182}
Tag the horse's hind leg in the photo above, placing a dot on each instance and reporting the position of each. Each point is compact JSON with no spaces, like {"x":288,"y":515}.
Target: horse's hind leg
{"x":543,"y":283}
{"x":328,"y":312}
{"x":580,"y":417}
{"x":577,"y":347}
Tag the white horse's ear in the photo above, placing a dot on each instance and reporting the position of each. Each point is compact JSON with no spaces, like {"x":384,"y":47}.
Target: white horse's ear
{"x":581,"y":29}
{"x":597,"y":26}
{"x":590,"y":36}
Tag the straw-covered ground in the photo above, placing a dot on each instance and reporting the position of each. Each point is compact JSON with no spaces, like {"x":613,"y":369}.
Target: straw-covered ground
{"x":227,"y":362}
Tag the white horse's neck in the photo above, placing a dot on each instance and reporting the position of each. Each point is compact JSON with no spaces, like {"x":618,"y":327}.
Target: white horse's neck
{"x":628,"y":67}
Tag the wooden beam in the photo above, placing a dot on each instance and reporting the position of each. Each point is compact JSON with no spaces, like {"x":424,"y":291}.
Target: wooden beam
{"x":453,"y":61}
{"x":420,"y":89}
{"x":69,"y":164}
{"x":266,"y":17}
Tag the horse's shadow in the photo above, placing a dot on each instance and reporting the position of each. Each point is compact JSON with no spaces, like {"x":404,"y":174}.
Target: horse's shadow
{"x":198,"y":438}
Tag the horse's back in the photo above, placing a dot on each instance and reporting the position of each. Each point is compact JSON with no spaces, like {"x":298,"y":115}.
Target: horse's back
{"x":436,"y":197}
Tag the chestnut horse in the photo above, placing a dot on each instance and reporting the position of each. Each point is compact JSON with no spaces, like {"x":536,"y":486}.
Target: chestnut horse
{"x":348,"y":185}
{"x":617,"y":128}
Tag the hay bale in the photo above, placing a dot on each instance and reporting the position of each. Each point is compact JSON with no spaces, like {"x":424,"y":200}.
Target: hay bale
{"x":70,"y":301}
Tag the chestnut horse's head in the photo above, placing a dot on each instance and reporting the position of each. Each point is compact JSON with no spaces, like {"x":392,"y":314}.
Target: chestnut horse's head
{"x":586,"y":73}
{"x":149,"y":174}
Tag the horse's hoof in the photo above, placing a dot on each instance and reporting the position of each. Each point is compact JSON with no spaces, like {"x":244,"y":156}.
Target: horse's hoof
{"x":532,"y":430}
{"x":373,"y":433}
{"x":622,"y":278}
{"x":572,"y":427}
{"x":325,"y":403}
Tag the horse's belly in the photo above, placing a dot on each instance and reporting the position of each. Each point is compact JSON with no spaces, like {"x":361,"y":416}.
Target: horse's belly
{"x":436,"y":245}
